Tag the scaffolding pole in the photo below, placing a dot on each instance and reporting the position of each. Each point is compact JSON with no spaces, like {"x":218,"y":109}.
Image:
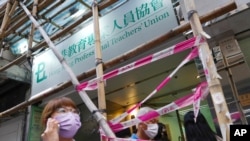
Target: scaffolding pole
{"x":210,"y":71}
{"x":7,"y":16}
{"x":99,"y":63}
{"x":91,"y":106}
{"x":32,"y":29}
{"x":98,"y":57}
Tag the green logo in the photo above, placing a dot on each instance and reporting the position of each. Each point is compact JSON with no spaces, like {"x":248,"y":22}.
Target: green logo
{"x":40,"y":74}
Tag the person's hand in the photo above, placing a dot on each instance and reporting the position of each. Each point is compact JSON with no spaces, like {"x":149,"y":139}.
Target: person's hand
{"x":51,"y":131}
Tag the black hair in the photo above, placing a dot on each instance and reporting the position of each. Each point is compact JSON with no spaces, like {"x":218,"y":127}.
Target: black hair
{"x":162,"y":133}
{"x":199,"y":130}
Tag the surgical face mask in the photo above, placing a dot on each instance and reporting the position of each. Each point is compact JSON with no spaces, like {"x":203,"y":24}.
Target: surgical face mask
{"x":69,"y":124}
{"x":152,"y":130}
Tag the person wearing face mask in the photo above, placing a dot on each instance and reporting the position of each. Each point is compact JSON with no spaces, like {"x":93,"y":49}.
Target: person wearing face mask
{"x":61,"y":120}
{"x":146,"y":130}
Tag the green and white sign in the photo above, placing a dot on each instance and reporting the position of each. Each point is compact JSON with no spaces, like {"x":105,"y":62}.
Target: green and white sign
{"x":132,"y":24}
{"x":35,"y":127}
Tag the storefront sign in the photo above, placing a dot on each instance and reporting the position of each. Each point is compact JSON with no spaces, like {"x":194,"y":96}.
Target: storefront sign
{"x":229,"y":47}
{"x":127,"y":27}
{"x":35,"y":128}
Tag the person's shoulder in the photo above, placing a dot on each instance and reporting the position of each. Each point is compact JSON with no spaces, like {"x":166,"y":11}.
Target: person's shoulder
{"x":134,"y":136}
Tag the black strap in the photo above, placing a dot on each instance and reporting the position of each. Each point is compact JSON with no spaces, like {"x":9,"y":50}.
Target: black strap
{"x":99,"y":110}
{"x":190,"y":13}
{"x":98,"y":61}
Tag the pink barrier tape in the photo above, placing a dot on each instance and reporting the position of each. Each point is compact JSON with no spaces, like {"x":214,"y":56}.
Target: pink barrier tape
{"x":191,"y":55}
{"x":187,"y":44}
{"x":235,"y":116}
{"x":197,"y":99}
{"x":196,"y":104}
{"x":178,"y":104}
{"x":105,"y":138}
{"x":213,"y":73}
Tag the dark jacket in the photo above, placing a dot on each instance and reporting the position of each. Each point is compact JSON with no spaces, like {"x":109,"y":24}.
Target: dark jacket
{"x":162,"y":133}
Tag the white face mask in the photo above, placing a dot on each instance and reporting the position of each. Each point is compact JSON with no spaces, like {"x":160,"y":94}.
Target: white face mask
{"x":152,"y":130}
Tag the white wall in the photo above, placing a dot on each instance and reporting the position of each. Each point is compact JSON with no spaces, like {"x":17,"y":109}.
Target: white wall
{"x":11,"y":130}
{"x":205,"y":6}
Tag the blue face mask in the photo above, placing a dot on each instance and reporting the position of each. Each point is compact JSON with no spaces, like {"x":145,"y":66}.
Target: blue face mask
{"x":69,"y":124}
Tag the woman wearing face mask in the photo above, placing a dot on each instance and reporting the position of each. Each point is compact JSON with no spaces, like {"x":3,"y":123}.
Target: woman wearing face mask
{"x":146,"y":130}
{"x":61,"y":120}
